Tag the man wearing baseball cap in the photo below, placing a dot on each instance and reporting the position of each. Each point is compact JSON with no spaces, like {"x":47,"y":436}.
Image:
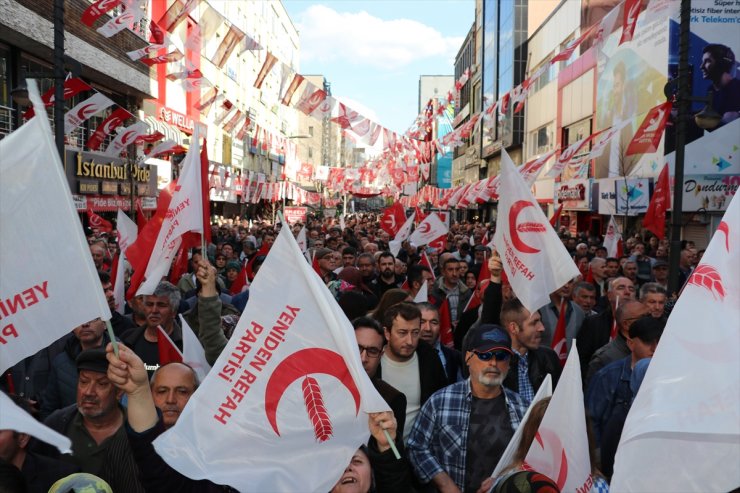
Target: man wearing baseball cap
{"x":463,"y":429}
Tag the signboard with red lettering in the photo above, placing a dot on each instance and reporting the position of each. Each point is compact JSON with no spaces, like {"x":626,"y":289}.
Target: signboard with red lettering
{"x":295,"y":214}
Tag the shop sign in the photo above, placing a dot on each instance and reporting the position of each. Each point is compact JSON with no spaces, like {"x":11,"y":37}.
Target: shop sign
{"x":574,"y":194}
{"x":709,"y":192}
{"x":177,"y":119}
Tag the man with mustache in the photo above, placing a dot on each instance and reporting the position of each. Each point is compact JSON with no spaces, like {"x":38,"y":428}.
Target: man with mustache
{"x":172,"y":385}
{"x":463,"y":429}
{"x":94,"y":424}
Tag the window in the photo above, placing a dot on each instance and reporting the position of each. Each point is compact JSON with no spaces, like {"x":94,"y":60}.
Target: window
{"x":541,"y":140}
{"x":310,"y":152}
{"x":310,"y":131}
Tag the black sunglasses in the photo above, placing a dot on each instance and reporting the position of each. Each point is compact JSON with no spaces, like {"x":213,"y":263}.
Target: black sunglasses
{"x":499,"y":355}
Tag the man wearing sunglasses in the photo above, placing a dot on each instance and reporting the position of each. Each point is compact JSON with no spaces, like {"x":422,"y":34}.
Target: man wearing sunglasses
{"x":463,"y":429}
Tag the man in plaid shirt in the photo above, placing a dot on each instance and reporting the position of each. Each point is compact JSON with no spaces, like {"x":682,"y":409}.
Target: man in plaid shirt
{"x":462,"y":430}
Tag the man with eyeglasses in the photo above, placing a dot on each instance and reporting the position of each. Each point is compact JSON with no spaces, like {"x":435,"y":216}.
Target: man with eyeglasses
{"x":462,"y":430}
{"x":371,"y":343}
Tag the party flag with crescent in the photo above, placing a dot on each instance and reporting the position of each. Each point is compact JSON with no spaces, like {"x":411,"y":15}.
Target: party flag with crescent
{"x":428,"y":230}
{"x":284,"y":407}
{"x":560,"y":447}
{"x":535,"y":260}
{"x":688,"y":413}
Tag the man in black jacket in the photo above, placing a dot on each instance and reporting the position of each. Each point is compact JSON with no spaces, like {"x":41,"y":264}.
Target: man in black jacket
{"x":408,"y":364}
{"x":450,"y":358}
{"x":531,"y":361}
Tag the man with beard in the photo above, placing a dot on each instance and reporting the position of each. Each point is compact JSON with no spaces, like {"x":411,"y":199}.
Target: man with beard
{"x":409,"y":364}
{"x":94,"y":424}
{"x":462,"y":430}
{"x":387,"y":269}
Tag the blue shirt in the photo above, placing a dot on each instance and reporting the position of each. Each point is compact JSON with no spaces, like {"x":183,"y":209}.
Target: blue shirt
{"x":437,"y":442}
{"x":609,"y":388}
{"x":526,"y":391}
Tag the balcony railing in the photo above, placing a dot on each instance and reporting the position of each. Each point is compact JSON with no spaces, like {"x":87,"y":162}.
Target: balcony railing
{"x":6,"y":121}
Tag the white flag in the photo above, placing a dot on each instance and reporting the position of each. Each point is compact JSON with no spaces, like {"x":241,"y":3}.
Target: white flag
{"x":161,"y":148}
{"x":284,"y":407}
{"x":193,"y":353}
{"x":12,"y":417}
{"x":423,"y":295}
{"x":560,"y":447}
{"x":535,"y":260}
{"x":428,"y":230}
{"x":395,"y":244}
{"x":84,"y":110}
{"x":612,"y":238}
{"x":125,"y":20}
{"x":41,"y":297}
{"x":126,"y":137}
{"x":507,"y":457}
{"x":127,"y":232}
{"x":688,"y":406}
{"x":184,"y":214}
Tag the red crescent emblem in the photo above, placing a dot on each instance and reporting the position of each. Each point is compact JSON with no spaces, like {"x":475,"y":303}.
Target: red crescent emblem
{"x":95,"y":220}
{"x":128,"y":136}
{"x":424,"y":228}
{"x":725,"y":228}
{"x":551,"y":444}
{"x":111,"y":124}
{"x":705,"y":276}
{"x":303,"y":363}
{"x":87,"y":111}
{"x":516,"y":208}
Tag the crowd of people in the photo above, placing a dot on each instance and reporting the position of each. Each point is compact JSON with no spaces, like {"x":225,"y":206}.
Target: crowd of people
{"x":454,"y":406}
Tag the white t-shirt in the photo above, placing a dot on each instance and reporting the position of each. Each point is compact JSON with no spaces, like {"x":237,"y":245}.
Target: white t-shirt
{"x":404,"y":377}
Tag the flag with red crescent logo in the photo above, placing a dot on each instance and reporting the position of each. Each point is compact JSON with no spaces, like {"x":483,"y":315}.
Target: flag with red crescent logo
{"x":184,"y":214}
{"x":560,"y":447}
{"x":403,"y":233}
{"x":648,"y":135}
{"x":289,"y":384}
{"x":392,"y":219}
{"x":46,"y":297}
{"x":131,"y":14}
{"x":107,"y":126}
{"x":126,"y":137}
{"x":535,"y":260}
{"x":311,"y":99}
{"x":127,"y":231}
{"x":162,"y":148}
{"x":654,"y":219}
{"x":668,"y":413}
{"x":431,"y":228}
{"x":96,"y":11}
{"x":97,"y":222}
{"x":72,"y":87}
{"x":84,"y":110}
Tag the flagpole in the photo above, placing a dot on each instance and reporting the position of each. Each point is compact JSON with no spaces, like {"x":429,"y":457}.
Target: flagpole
{"x":112,"y":337}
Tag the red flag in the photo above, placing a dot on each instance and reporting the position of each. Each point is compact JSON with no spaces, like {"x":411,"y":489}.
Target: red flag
{"x":559,"y":342}
{"x":96,"y":11}
{"x":292,"y":88}
{"x":648,"y":136}
{"x":393,"y":218}
{"x":556,"y":216}
{"x":473,"y":303}
{"x":239,"y":282}
{"x":168,"y":351}
{"x":114,"y":270}
{"x":485,"y":273}
{"x":72,"y":87}
{"x":445,"y":324}
{"x":205,"y":193}
{"x":439,"y":244}
{"x":97,"y":222}
{"x":264,"y":250}
{"x":114,"y":120}
{"x":150,"y":138}
{"x":590,"y":275}
{"x":629,"y":19}
{"x":420,"y":216}
{"x":139,"y":252}
{"x":179,"y":265}
{"x":654,"y":219}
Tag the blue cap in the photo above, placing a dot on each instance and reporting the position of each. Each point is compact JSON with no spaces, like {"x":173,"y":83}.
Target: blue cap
{"x":487,"y":337}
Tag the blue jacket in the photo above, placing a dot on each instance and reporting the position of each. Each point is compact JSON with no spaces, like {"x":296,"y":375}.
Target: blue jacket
{"x":608,"y":390}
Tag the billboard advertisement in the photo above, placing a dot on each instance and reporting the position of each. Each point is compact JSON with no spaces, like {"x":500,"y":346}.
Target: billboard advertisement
{"x":711,"y":163}
{"x":630,"y":80}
